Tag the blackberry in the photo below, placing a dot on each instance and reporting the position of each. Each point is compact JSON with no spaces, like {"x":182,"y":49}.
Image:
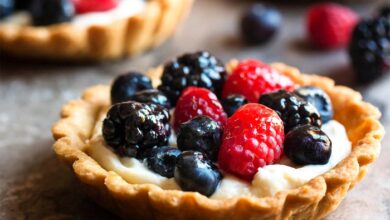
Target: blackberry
{"x":48,"y":12}
{"x":151,"y":96}
{"x":162,"y":160}
{"x":126,"y":85}
{"x":293,"y":110}
{"x":131,"y":128}
{"x":319,"y":99}
{"x":385,"y":10}
{"x":6,"y":8}
{"x":369,"y":48}
{"x":22,"y":4}
{"x":199,"y":69}
{"x":233,"y":102}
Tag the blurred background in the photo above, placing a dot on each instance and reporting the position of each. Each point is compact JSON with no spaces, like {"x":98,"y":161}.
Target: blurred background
{"x":34,"y":185}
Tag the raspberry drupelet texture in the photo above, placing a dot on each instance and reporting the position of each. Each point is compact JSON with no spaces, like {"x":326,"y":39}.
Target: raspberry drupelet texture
{"x":252,"y":138}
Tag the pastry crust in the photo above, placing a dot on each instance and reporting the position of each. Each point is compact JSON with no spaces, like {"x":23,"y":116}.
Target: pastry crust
{"x":129,"y":36}
{"x":313,"y":200}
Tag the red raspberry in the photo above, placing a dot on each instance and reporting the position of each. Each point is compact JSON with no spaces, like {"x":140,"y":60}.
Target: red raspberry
{"x":252,"y":78}
{"x":329,"y":25}
{"x":252,"y":138}
{"x":86,"y":6}
{"x":196,"y":101}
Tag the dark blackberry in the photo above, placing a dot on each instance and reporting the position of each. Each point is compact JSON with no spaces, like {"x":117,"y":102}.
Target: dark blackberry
{"x":293,"y":110}
{"x":48,"y":12}
{"x":319,"y":99}
{"x":385,"y":10}
{"x":162,"y":160}
{"x":233,"y":102}
{"x":369,"y":48}
{"x":126,"y":85}
{"x":22,"y":4}
{"x":6,"y":8}
{"x":199,"y":69}
{"x":151,"y":96}
{"x":307,"y":145}
{"x":200,"y":134}
{"x":131,"y":127}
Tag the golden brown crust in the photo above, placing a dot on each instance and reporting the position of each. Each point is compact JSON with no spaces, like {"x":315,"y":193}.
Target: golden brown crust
{"x":130,"y":36}
{"x":313,"y":200}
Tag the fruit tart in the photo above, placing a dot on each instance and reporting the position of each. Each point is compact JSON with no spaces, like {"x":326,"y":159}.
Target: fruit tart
{"x":87,"y":29}
{"x":197,"y":139}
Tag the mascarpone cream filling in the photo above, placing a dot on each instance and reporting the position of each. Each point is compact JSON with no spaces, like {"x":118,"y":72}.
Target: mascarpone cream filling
{"x":267,"y":181}
{"x":125,"y":9}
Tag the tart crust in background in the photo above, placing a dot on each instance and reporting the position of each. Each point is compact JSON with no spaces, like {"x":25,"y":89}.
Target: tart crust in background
{"x":313,"y":200}
{"x":130,"y":36}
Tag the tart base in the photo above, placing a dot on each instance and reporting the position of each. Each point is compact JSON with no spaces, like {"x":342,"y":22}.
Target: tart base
{"x":313,"y":200}
{"x":148,"y":29}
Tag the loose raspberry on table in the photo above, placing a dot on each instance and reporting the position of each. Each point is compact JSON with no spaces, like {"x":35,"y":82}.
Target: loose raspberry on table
{"x":252,"y":78}
{"x":86,"y":6}
{"x":252,"y":138}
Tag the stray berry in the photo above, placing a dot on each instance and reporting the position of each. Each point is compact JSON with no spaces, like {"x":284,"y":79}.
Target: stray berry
{"x":200,"y":134}
{"x":151,"y":96}
{"x":329,"y":25}
{"x":199,"y":69}
{"x":6,"y":8}
{"x":319,"y":99}
{"x":252,"y":138}
{"x":307,"y":145}
{"x":252,"y":78}
{"x":194,"y":172}
{"x":87,"y":6}
{"x":260,"y":23}
{"x":48,"y":12}
{"x":131,"y":127}
{"x":198,"y":101}
{"x":293,"y":110}
{"x":369,"y":49}
{"x":162,"y":160}
{"x":233,"y":102}
{"x":125,"y":86}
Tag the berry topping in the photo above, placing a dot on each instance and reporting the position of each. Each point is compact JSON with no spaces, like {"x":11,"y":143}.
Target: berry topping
{"x":194,"y":172}
{"x":252,"y":78}
{"x":151,"y":96}
{"x":162,"y":160}
{"x":252,"y":138}
{"x":86,"y":6}
{"x":125,"y":86}
{"x":259,"y":24}
{"x":198,"y":101}
{"x":6,"y":8}
{"x":293,"y":110}
{"x":233,"y":102}
{"x":200,"y":134}
{"x":329,"y":25}
{"x":369,"y":48}
{"x":307,"y":145}
{"x":319,"y":99}
{"x":47,"y":12}
{"x":132,"y":127}
{"x":199,"y":69}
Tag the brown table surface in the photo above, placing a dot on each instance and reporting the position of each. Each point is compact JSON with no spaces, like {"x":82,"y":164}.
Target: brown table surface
{"x":34,"y":185}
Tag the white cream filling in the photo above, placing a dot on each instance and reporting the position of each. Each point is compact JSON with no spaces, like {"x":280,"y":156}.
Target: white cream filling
{"x":125,"y":9}
{"x":267,"y":181}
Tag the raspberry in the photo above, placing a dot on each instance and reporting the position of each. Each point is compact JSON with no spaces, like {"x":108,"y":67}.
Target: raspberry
{"x":329,"y":25}
{"x":196,"y":101}
{"x":86,"y":6}
{"x":252,"y":78}
{"x":252,"y":138}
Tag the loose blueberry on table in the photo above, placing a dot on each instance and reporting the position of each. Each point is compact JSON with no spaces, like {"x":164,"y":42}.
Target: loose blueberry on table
{"x":266,"y":116}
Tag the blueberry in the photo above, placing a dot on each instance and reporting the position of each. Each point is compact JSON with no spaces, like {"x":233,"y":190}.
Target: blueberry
{"x":6,"y":8}
{"x":151,"y":96}
{"x":200,"y":134}
{"x":162,"y":160}
{"x":307,"y":145}
{"x":48,"y":12}
{"x":194,"y":172}
{"x":125,"y":86}
{"x":233,"y":102}
{"x":319,"y":99}
{"x":260,"y":23}
{"x":385,"y":10}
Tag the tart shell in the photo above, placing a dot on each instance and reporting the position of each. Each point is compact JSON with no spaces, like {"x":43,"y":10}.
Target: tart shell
{"x":314,"y":200}
{"x":130,"y":36}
